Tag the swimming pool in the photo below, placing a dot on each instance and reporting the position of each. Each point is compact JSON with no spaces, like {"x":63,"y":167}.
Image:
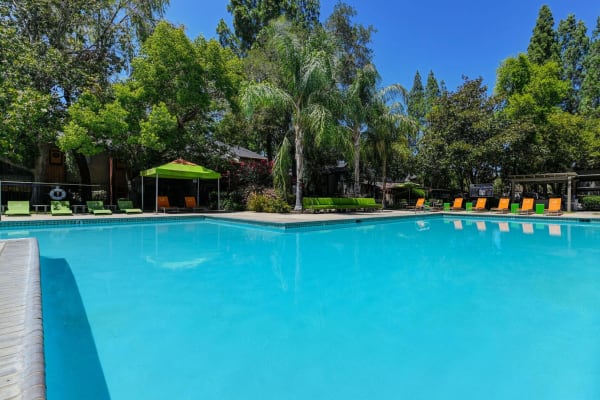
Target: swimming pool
{"x":419,"y":308}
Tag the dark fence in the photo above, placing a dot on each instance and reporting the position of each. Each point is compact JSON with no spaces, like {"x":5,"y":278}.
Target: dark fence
{"x":43,"y":193}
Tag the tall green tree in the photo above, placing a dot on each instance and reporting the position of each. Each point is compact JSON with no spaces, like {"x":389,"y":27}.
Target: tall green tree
{"x":71,"y":47}
{"x":415,"y":101}
{"x":357,"y":79}
{"x":251,"y":16}
{"x":461,"y":133}
{"x":574,"y":45}
{"x":590,"y":87}
{"x":358,"y":100}
{"x":432,"y":91}
{"x":354,"y":42}
{"x":543,"y":45}
{"x":178,"y":91}
{"x":389,"y":131}
{"x":304,"y":93}
{"x":539,"y":135}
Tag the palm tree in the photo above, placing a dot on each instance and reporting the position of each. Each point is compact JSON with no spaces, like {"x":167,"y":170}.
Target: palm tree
{"x":389,"y":130}
{"x":304,"y":88}
{"x":358,"y":98}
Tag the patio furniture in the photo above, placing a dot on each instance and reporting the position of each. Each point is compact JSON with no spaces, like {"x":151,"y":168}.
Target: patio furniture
{"x":60,"y":207}
{"x":96,"y":207}
{"x":17,"y":208}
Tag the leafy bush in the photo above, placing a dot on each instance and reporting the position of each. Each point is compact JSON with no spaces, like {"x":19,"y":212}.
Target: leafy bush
{"x":230,"y":201}
{"x":591,"y":202}
{"x":270,"y":203}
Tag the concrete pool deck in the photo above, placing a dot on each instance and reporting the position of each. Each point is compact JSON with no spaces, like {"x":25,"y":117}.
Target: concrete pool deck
{"x":21,"y":335}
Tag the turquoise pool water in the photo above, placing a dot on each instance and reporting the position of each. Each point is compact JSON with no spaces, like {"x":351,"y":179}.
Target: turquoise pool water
{"x":415,"y":309}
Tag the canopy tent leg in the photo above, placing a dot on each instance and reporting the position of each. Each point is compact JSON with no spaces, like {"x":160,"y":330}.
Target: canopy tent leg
{"x":142,"y":192}
{"x":156,"y":195}
{"x":219,"y":194}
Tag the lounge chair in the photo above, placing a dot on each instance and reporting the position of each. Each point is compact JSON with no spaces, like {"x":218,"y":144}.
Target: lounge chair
{"x":503,"y":206}
{"x":480,"y":205}
{"x":554,"y":205}
{"x":526,"y":206}
{"x":96,"y":207}
{"x":457,"y":205}
{"x":190,"y":204}
{"x":126,"y":206}
{"x":419,"y":205}
{"x":162,"y":203}
{"x":17,"y":208}
{"x":60,"y":207}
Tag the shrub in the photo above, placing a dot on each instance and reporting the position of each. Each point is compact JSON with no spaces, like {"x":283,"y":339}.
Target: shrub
{"x":270,"y":203}
{"x":591,"y":202}
{"x":230,"y":201}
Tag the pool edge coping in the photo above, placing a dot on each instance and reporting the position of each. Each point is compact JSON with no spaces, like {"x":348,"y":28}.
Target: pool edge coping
{"x":23,"y":312}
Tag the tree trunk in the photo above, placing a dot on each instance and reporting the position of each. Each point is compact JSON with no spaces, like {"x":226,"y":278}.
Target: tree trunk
{"x":269,"y":147}
{"x":383,"y":185}
{"x":356,"y":138}
{"x":84,"y":175}
{"x":299,"y":142}
{"x":39,"y":172}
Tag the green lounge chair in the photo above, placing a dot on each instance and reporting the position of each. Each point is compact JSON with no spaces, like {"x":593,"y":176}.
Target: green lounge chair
{"x":17,"y":208}
{"x":60,"y":207}
{"x":126,"y":206}
{"x":96,"y":207}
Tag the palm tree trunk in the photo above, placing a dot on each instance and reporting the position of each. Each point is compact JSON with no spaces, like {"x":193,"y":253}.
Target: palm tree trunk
{"x":299,"y":142}
{"x":383,"y":185}
{"x":356,"y":137}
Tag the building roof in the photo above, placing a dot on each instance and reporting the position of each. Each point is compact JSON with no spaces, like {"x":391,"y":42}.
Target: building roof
{"x":240,"y":153}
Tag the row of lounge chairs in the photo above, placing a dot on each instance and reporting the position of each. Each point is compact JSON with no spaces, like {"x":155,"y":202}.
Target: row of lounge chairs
{"x":340,"y":204}
{"x":96,"y":207}
{"x":63,"y":207}
{"x":527,"y":206}
{"x":164,"y":205}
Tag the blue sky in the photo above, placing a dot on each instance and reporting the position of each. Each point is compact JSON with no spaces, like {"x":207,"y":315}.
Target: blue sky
{"x":452,"y":38}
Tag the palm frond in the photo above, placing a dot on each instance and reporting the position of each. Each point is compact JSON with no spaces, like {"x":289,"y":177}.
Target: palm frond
{"x":258,"y":95}
{"x":281,"y":167}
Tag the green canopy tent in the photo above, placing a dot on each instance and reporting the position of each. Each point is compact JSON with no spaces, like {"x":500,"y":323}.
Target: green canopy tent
{"x":180,"y":169}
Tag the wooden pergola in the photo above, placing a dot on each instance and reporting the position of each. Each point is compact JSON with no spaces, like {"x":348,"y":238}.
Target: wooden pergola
{"x":565,"y":177}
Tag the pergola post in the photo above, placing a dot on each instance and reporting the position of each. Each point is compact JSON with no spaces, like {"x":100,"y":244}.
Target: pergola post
{"x":569,"y":194}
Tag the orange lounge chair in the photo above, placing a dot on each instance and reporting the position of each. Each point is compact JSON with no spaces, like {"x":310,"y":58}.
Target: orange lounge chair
{"x":190,"y":203}
{"x":162,"y":202}
{"x":480,"y":205}
{"x":457,"y":204}
{"x":503,"y":206}
{"x":526,"y":206}
{"x":554,"y":206}
{"x":419,"y":205}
